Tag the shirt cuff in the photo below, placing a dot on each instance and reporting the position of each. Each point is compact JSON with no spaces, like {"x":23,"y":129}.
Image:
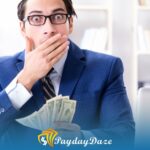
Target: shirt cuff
{"x":17,"y":94}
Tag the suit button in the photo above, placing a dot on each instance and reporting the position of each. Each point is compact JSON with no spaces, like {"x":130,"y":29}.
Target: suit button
{"x":2,"y":110}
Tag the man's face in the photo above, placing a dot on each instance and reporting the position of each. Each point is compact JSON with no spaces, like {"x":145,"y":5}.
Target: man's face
{"x":38,"y":34}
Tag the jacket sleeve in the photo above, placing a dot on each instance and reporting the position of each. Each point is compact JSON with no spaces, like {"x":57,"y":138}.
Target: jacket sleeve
{"x":7,"y":112}
{"x":116,"y":119}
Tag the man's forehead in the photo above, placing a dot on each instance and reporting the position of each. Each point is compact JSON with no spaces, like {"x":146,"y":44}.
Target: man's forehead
{"x":45,"y":6}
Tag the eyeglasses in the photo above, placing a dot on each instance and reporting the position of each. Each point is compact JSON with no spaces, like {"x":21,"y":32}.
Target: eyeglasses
{"x":38,"y":20}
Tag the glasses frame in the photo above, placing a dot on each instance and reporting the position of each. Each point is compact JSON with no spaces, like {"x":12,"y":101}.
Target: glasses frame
{"x":49,"y":17}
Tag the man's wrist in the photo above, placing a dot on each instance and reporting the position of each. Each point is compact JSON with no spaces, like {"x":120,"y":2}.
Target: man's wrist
{"x":26,"y":81}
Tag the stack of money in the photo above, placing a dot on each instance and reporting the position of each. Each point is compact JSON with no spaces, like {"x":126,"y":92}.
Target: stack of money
{"x":59,"y":108}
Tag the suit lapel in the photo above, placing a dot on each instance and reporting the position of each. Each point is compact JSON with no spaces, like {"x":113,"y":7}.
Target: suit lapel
{"x":73,"y":69}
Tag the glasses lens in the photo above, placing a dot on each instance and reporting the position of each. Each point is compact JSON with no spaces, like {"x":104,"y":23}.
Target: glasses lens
{"x":36,"y":20}
{"x":58,"y":18}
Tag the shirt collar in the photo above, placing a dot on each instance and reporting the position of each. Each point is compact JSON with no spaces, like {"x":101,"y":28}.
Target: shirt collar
{"x":59,"y":66}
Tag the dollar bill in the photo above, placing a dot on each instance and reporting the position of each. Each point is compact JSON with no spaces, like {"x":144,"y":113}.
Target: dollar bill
{"x":49,"y":111}
{"x":59,"y":108}
{"x":67,"y":110}
{"x":43,"y":118}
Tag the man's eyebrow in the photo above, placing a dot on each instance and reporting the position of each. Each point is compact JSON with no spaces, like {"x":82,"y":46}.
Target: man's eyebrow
{"x":58,"y":9}
{"x":40,"y":12}
{"x":35,"y":11}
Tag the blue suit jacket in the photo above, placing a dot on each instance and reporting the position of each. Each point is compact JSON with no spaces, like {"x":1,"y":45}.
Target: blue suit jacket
{"x":94,"y":80}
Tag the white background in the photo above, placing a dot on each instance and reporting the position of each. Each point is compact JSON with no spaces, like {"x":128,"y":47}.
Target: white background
{"x":11,"y":40}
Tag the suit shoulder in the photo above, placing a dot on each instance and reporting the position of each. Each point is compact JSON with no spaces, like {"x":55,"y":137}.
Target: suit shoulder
{"x":101,"y":57}
{"x":95,"y":57}
{"x":6,"y":60}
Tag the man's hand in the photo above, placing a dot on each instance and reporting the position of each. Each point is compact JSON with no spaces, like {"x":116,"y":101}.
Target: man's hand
{"x":39,"y":61}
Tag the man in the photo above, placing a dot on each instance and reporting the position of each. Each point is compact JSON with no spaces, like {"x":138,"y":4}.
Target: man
{"x":94,"y":80}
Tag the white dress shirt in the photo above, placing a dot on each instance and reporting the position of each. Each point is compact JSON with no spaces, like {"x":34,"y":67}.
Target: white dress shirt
{"x":19,"y":95}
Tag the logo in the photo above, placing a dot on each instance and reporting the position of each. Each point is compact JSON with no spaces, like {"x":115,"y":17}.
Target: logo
{"x":47,"y":137}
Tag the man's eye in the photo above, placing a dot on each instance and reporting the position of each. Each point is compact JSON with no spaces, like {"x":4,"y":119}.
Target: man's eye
{"x":58,"y":17}
{"x":36,"y":18}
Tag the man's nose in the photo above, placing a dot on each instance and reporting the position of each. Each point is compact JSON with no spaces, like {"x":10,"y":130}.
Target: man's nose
{"x":49,"y":28}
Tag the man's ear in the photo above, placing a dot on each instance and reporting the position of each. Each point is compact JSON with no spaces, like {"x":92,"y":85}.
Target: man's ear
{"x":70,"y":25}
{"x":22,"y":28}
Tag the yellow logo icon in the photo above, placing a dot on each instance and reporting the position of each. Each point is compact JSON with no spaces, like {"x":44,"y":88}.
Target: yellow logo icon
{"x":47,"y":137}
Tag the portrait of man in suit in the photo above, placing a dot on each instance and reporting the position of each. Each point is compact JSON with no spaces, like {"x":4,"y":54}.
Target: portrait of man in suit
{"x":93,"y":79}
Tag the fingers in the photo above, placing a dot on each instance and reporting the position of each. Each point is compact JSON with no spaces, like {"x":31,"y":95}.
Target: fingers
{"x":57,"y":58}
{"x":56,"y":45}
{"x":28,"y":44}
{"x":50,"y":42}
{"x":48,"y":46}
{"x":57,"y":54}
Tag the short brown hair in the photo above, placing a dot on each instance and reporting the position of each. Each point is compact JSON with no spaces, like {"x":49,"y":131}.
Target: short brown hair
{"x":22,"y":7}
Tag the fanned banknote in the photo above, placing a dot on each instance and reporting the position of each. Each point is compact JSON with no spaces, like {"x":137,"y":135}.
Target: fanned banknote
{"x":59,"y":108}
